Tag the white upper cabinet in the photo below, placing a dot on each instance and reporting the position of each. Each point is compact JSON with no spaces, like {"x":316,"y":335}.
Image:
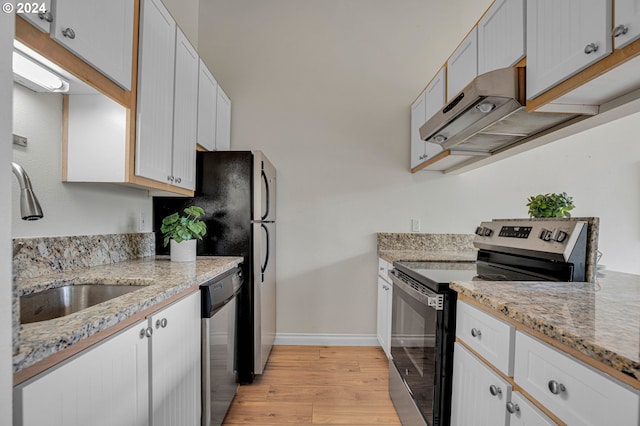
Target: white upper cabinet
{"x":207,"y":98}
{"x":223,"y":121}
{"x":462,"y":66}
{"x":185,"y":113}
{"x":626,"y":25}
{"x":429,"y":102}
{"x":563,"y":38}
{"x":155,"y":92}
{"x":40,"y":15}
{"x":501,"y":35}
{"x":100,"y":32}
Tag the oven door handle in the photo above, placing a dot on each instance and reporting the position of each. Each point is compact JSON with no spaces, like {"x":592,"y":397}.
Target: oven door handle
{"x":417,"y":291}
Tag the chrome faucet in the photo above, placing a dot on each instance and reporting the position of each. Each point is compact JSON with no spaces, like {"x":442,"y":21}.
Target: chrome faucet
{"x":29,"y":206}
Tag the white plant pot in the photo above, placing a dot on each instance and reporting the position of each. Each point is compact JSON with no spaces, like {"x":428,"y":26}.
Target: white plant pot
{"x":184,"y":251}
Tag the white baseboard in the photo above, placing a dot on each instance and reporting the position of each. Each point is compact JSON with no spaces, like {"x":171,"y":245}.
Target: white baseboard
{"x":322,"y":339}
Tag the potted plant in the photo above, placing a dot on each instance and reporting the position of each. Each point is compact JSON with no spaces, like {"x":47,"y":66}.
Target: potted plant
{"x":182,"y":231}
{"x":550,"y":205}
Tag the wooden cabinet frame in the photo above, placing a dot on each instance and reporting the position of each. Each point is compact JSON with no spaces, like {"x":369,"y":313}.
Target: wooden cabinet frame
{"x":47,"y":47}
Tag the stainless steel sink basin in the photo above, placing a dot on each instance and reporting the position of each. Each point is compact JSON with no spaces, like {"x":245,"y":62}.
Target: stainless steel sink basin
{"x":61,"y":301}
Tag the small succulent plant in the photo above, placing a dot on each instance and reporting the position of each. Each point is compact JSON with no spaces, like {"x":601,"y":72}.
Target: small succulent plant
{"x":183,"y":228}
{"x":550,"y":205}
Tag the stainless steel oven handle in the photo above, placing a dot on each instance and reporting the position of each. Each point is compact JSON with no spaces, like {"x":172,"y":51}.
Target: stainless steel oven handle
{"x":424,"y":295}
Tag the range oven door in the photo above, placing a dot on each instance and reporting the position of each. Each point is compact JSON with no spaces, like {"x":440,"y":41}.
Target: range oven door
{"x":418,"y":349}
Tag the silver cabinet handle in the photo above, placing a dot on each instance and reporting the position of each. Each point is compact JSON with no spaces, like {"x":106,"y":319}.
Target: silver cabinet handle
{"x":475,"y":332}
{"x":45,"y":16}
{"x":69,"y":33}
{"x":161,"y":323}
{"x":495,"y":390}
{"x":178,"y":180}
{"x":620,"y":30}
{"x":555,"y":387}
{"x":170,"y":178}
{"x":512,"y":408}
{"x":146,"y":332}
{"x":590,"y":48}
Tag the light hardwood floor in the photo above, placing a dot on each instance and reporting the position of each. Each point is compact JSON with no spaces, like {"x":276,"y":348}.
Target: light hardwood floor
{"x":317,"y":385}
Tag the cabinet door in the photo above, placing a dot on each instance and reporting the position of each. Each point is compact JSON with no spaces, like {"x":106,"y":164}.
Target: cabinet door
{"x":105,"y":385}
{"x":626,"y":22}
{"x":223,"y":121}
{"x":40,"y":18}
{"x":563,"y":38}
{"x":501,"y":35}
{"x":185,"y":115}
{"x":175,"y":364}
{"x":524,"y":413}
{"x":474,"y":385}
{"x":384,"y":315}
{"x":207,"y":87}
{"x":155,"y":92}
{"x":462,"y":66}
{"x":100,"y":32}
{"x":430,"y":102}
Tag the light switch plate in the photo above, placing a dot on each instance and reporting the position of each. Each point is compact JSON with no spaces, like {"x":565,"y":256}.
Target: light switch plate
{"x":415,"y":225}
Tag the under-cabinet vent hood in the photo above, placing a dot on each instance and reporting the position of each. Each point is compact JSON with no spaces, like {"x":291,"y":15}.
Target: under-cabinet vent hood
{"x":488,"y":115}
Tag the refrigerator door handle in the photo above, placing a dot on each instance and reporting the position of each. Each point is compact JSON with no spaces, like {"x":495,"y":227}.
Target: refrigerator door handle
{"x":263,"y":267}
{"x":267,"y":195}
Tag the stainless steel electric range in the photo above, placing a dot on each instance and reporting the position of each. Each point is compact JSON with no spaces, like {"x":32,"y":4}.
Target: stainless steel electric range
{"x":424,"y":308}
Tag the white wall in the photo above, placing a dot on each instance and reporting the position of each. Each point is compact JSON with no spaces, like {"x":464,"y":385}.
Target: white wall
{"x":6,"y":178}
{"x":323,"y":87}
{"x":69,"y":208}
{"x":185,"y":14}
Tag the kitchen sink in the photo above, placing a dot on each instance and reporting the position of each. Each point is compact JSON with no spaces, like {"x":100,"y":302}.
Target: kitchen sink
{"x":62,"y":301}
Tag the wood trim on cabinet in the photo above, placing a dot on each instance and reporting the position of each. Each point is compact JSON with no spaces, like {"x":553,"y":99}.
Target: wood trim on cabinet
{"x":617,"y":57}
{"x":554,"y":343}
{"x":47,"y":47}
{"x":130,"y":142}
{"x":53,"y":360}
{"x":440,"y":156}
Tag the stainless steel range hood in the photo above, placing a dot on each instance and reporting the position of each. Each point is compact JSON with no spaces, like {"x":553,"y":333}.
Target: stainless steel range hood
{"x":488,"y":115}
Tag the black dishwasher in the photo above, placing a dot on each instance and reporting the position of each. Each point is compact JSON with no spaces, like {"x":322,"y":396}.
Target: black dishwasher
{"x":219,"y":383}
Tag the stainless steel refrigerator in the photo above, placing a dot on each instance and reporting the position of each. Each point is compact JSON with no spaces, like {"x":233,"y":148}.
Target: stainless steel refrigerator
{"x":237,"y":190}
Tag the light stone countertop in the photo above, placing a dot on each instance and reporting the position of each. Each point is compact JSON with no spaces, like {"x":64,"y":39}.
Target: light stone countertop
{"x":158,"y":277}
{"x":428,"y":255}
{"x":599,"y":320}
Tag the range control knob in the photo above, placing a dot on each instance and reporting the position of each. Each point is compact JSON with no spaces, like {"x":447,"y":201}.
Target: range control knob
{"x":487,"y":232}
{"x":545,"y":235}
{"x":479,"y":230}
{"x":484,"y":231}
{"x":558,"y":235}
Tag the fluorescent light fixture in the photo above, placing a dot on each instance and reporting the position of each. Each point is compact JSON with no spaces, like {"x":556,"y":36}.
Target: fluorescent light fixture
{"x":35,"y":76}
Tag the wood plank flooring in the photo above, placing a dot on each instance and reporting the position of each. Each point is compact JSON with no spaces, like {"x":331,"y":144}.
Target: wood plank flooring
{"x":317,"y":385}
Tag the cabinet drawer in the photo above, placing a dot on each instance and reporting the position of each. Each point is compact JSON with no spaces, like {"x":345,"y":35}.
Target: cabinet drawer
{"x":574,"y":392}
{"x":525,"y":413}
{"x":488,"y":336}
{"x":383,"y":269}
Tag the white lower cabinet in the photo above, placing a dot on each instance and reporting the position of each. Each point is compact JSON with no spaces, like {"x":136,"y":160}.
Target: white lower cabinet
{"x":105,"y":385}
{"x":574,"y":392}
{"x":523,"y":413}
{"x":148,"y":374}
{"x":479,"y":395}
{"x":385,"y":298}
{"x":175,"y":364}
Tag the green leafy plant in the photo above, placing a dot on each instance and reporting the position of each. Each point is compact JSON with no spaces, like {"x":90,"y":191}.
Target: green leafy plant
{"x":550,"y":205}
{"x":183,"y":228}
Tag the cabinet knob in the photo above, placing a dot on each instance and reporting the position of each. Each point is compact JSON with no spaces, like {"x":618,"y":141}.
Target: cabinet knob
{"x":69,"y":33}
{"x":161,"y":323}
{"x":590,"y":48}
{"x":170,"y":178}
{"x":495,"y":390}
{"x":178,"y":180}
{"x":512,"y":408}
{"x":555,"y":387}
{"x":146,"y":332}
{"x":620,"y":30}
{"x":475,"y":332}
{"x":45,"y":16}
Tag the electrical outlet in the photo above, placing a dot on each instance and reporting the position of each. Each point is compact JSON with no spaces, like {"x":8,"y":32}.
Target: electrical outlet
{"x":142,"y":222}
{"x":415,"y":225}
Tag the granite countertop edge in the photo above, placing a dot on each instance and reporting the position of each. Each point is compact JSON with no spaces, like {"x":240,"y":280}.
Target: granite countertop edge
{"x":428,"y":255}
{"x":159,"y":279}
{"x":510,"y":308}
